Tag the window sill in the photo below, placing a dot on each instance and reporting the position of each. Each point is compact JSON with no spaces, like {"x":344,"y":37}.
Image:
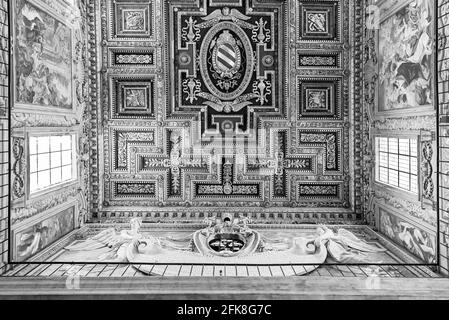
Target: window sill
{"x":408,"y":195}
{"x":42,"y":193}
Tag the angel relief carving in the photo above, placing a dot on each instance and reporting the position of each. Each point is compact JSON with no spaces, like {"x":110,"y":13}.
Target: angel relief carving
{"x":223,"y":241}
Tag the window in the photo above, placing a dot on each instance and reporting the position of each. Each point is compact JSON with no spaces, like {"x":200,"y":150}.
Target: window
{"x":52,"y":161}
{"x":397,"y":163}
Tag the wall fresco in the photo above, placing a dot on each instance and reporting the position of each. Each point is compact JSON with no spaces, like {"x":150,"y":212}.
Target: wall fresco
{"x":43,"y":65}
{"x":406,"y":57}
{"x":37,"y":237}
{"x":419,"y":242}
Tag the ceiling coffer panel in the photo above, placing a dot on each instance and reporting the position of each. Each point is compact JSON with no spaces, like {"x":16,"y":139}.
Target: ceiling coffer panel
{"x":225,"y":103}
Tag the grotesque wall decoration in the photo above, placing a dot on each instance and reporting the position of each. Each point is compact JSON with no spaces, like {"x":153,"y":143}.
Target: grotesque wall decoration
{"x":237,"y":104}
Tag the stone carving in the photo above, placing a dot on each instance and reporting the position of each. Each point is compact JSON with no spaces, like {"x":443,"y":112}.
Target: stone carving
{"x":407,"y":207}
{"x":38,"y":206}
{"x":331,"y":143}
{"x":319,"y":21}
{"x":319,"y":98}
{"x":225,"y":241}
{"x":131,"y":21}
{"x":319,"y":60}
{"x":18,"y":168}
{"x":124,"y":138}
{"x":428,"y":171}
{"x":316,"y":189}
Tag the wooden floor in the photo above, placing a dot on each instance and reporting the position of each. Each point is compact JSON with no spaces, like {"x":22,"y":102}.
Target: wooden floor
{"x":303,"y":288}
{"x":126,"y":270}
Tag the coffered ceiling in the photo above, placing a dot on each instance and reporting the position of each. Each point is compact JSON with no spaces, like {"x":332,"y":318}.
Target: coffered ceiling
{"x":238,"y":104}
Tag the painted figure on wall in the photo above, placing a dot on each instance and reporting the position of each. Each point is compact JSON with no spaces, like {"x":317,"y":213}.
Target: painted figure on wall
{"x":39,"y":236}
{"x":406,"y":58}
{"x":416,"y":241}
{"x":43,"y":58}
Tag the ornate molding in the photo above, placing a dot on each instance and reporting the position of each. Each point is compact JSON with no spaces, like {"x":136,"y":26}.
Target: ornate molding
{"x":413,"y":123}
{"x":18,"y":168}
{"x":41,"y":205}
{"x":413,"y":209}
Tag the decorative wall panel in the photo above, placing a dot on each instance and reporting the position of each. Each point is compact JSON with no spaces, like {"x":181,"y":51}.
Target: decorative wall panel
{"x":133,"y":97}
{"x":131,"y":57}
{"x":43,"y":60}
{"x":51,"y":90}
{"x":131,"y":20}
{"x":319,"y":20}
{"x":229,"y":104}
{"x":419,"y":242}
{"x":394,"y":50}
{"x":319,"y":98}
{"x":321,"y":60}
{"x":33,"y":237}
{"x":407,"y":57}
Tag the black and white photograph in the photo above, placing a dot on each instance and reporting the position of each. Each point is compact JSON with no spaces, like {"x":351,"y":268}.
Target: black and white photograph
{"x":230,"y":150}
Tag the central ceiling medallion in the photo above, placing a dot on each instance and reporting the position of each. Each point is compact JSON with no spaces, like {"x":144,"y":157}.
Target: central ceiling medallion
{"x":227,"y":60}
{"x":228,"y":64}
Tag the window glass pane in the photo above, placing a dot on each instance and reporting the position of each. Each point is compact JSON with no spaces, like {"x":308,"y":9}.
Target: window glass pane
{"x":404,"y":146}
{"x":55,"y":143}
{"x":383,"y":159}
{"x":43,"y":144}
{"x":393,"y":176}
{"x":66,"y":157}
{"x":66,"y":142}
{"x":55,"y":159}
{"x":393,"y":145}
{"x":51,"y":161}
{"x":414,"y":184}
{"x":404,"y":181}
{"x":66,"y":173}
{"x":33,"y":164}
{"x":414,"y":166}
{"x":383,"y":175}
{"x":393,"y":161}
{"x":56,"y":176}
{"x":33,"y":145}
{"x":397,"y":163}
{"x":414,"y":148}
{"x":43,"y":161}
{"x":383,"y":144}
{"x":43,"y":178}
{"x":404,"y":164}
{"x":33,"y":182}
